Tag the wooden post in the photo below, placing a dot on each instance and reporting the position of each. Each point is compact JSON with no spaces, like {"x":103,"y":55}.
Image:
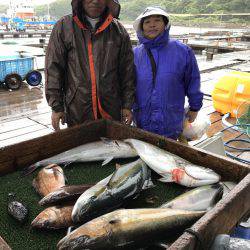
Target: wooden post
{"x":209,"y":56}
{"x":41,"y":40}
{"x":185,"y":40}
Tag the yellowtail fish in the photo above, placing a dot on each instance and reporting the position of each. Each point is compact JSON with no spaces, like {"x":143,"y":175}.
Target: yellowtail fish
{"x":126,"y":183}
{"x":104,"y":150}
{"x":198,"y":199}
{"x":126,"y":228}
{"x":173,"y":168}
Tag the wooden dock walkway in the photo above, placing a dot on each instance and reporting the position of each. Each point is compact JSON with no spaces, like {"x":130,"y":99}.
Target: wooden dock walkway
{"x":24,"y":114}
{"x":16,"y":34}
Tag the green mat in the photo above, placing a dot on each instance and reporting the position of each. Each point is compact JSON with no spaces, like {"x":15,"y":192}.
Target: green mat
{"x":23,"y":237}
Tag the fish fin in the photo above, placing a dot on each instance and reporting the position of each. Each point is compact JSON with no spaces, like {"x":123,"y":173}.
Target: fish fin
{"x":135,"y":196}
{"x":56,"y":172}
{"x":218,"y":196}
{"x":117,"y":166}
{"x":35,"y":186}
{"x":70,"y":229}
{"x":148,"y":184}
{"x":117,"y":144}
{"x":66,"y":164}
{"x":106,"y":140}
{"x":109,"y":141}
{"x":109,"y":159}
{"x":66,"y":180}
{"x":152,"y":200}
{"x":166,"y":178}
{"x":29,"y":170}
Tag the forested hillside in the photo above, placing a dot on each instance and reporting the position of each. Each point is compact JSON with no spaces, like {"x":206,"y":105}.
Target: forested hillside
{"x":131,"y":8}
{"x":3,"y":8}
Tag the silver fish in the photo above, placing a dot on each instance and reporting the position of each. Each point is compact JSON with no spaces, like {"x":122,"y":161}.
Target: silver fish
{"x":126,"y":183}
{"x":104,"y":150}
{"x":198,"y":199}
{"x":129,"y":227}
{"x":173,"y":168}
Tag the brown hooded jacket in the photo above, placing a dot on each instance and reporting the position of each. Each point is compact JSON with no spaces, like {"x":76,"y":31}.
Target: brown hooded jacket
{"x":89,"y":74}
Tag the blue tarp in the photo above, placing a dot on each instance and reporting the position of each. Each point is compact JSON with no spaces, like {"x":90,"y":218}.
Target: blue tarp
{"x":19,"y":20}
{"x":40,"y":22}
{"x":4,"y":19}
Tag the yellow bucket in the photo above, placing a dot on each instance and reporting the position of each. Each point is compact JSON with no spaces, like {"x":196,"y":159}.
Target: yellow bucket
{"x":231,"y":91}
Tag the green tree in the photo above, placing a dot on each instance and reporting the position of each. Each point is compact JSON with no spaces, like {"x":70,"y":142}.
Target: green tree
{"x":132,"y":8}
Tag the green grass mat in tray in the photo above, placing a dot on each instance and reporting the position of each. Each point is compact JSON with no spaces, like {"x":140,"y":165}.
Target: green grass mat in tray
{"x":21,"y":236}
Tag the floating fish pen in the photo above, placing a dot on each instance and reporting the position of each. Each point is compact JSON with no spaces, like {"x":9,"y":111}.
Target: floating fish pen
{"x":13,"y":159}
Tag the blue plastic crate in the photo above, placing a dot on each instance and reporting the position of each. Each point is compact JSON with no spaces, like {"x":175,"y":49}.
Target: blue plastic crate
{"x":19,"y":65}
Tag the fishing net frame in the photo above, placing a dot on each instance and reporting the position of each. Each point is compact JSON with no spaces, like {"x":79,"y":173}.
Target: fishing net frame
{"x":243,"y":117}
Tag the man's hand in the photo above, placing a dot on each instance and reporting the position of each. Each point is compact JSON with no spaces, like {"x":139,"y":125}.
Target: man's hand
{"x":191,"y":115}
{"x":126,"y":116}
{"x":56,"y":117}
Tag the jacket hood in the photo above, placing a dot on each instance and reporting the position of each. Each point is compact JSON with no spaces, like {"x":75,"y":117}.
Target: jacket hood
{"x":113,"y":8}
{"x":150,"y":11}
{"x":159,"y":41}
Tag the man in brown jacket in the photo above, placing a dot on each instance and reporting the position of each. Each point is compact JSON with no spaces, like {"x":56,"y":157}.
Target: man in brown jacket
{"x":89,"y":66}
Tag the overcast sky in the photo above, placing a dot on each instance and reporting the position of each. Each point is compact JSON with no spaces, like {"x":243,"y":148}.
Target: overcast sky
{"x":35,"y":2}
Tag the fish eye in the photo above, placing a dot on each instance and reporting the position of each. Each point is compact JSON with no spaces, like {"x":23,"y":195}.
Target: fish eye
{"x":112,"y":222}
{"x":92,"y":198}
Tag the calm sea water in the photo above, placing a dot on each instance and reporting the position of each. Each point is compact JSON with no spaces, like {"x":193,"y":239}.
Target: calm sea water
{"x":10,"y":47}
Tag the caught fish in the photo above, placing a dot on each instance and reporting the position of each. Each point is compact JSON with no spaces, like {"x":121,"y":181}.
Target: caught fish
{"x":18,"y":211}
{"x":198,"y":199}
{"x":104,"y":150}
{"x":173,"y":168}
{"x":54,"y":218}
{"x":63,"y":194}
{"x":129,"y":227}
{"x":49,"y":179}
{"x":126,"y":183}
{"x":89,"y":194}
{"x":3,"y":244}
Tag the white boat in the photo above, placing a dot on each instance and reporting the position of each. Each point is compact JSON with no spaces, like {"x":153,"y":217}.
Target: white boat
{"x":21,"y":8}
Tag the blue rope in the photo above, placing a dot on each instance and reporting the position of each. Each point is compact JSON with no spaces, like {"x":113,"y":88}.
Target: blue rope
{"x":238,"y":149}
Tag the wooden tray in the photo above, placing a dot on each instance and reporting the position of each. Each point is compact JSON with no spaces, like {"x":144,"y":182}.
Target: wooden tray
{"x":221,"y":219}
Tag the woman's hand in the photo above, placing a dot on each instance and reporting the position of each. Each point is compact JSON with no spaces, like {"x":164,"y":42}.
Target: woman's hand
{"x":56,"y":118}
{"x":127,"y":116}
{"x":191,"y":115}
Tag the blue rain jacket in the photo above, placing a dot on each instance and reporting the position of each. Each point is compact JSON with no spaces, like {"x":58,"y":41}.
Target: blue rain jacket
{"x":159,"y":106}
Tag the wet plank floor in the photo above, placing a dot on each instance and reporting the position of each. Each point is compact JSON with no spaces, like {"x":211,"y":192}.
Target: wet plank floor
{"x":24,"y":114}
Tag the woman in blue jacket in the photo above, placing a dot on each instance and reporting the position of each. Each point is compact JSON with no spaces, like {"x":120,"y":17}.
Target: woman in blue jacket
{"x":166,"y":72}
